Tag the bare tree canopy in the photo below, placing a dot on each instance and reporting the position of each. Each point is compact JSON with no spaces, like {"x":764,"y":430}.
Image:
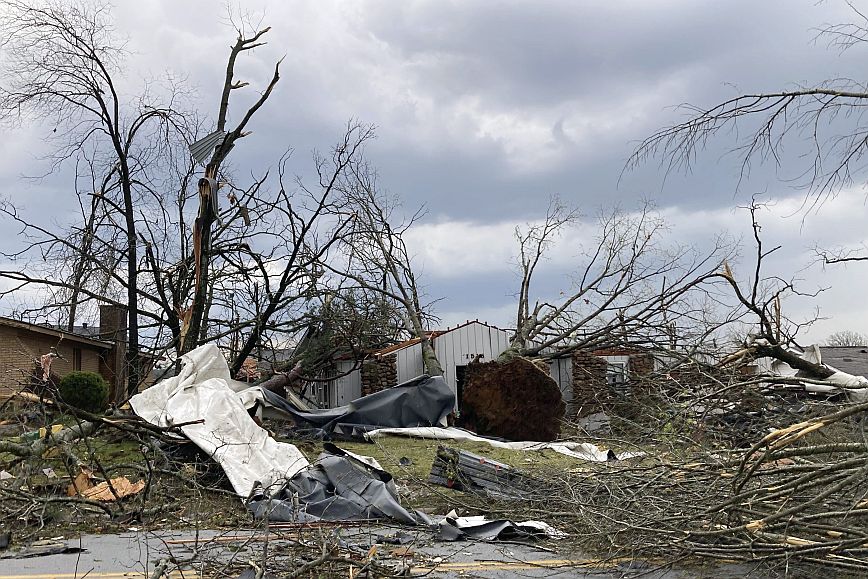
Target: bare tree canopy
{"x":847,"y":338}
{"x":630,"y":286}
{"x":376,"y":257}
{"x":193,"y":259}
{"x":63,"y":64}
{"x":813,"y":135}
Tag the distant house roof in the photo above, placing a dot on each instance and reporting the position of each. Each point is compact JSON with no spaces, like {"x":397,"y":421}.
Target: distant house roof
{"x":849,"y":359}
{"x":56,"y":333}
{"x":406,"y":343}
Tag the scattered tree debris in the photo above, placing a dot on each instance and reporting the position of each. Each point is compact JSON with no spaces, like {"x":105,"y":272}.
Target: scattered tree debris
{"x":465,"y":471}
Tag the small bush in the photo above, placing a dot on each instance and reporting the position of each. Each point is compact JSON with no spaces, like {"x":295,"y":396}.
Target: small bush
{"x":85,"y":390}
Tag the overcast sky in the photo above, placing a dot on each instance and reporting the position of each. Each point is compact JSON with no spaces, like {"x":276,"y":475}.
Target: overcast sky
{"x":485,"y":109}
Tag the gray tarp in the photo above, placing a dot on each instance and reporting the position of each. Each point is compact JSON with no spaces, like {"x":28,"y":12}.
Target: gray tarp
{"x":423,"y":401}
{"x":340,"y":486}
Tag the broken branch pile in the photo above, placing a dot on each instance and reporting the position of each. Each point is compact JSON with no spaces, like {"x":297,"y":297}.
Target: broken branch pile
{"x":798,"y":496}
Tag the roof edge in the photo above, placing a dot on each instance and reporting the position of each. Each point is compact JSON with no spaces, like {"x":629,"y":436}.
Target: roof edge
{"x":55,"y":333}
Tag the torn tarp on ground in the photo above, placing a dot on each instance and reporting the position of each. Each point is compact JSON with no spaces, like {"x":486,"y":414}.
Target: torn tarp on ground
{"x":284,"y":486}
{"x":340,"y":486}
{"x":455,"y":528}
{"x":204,"y":390}
{"x":580,"y":450}
{"x":423,"y":401}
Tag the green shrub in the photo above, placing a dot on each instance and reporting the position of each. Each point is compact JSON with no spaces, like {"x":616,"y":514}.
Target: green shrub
{"x":85,"y":390}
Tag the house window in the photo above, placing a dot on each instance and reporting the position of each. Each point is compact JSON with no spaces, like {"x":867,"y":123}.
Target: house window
{"x":76,"y":359}
{"x":616,"y":375}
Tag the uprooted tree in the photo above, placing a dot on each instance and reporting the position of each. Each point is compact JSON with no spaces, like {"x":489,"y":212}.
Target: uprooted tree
{"x":631,"y":290}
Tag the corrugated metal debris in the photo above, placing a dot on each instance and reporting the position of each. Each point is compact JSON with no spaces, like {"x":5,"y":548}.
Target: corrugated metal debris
{"x":201,"y":149}
{"x":465,"y":471}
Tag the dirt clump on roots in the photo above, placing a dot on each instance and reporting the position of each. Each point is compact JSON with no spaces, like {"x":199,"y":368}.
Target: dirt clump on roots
{"x":515,"y":400}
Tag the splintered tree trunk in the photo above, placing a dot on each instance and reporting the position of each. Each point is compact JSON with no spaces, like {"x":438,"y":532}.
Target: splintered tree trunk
{"x":201,"y":253}
{"x":513,"y":399}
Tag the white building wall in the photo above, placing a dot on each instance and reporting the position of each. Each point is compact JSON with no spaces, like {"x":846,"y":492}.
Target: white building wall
{"x":409,"y":363}
{"x":461,"y":345}
{"x":453,"y":348}
{"x":561,"y":370}
{"x":345,"y":389}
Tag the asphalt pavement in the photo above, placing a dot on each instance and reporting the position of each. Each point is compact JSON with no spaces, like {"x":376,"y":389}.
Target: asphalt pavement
{"x":134,"y":554}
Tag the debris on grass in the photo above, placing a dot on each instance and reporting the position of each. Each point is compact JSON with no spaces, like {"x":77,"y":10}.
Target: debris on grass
{"x":466,"y":471}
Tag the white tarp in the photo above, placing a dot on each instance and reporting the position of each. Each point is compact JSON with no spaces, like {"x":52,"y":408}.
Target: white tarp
{"x":204,"y":390}
{"x":580,"y":450}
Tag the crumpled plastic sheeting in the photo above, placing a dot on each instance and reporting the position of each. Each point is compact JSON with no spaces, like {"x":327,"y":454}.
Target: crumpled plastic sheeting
{"x":340,"y":486}
{"x":423,"y":401}
{"x":579,"y":450}
{"x":454,"y":528}
{"x":204,"y":390}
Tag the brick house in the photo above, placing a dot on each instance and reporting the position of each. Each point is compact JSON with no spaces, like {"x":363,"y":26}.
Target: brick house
{"x":101,"y":350}
{"x":588,"y":379}
{"x":591,"y":380}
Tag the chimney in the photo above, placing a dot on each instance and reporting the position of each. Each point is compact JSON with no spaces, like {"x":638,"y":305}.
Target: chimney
{"x":112,"y":323}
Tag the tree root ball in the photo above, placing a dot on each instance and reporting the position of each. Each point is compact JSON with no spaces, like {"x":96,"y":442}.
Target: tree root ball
{"x":515,"y":400}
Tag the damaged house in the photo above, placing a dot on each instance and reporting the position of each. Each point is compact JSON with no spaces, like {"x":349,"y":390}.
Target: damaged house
{"x":584,"y":377}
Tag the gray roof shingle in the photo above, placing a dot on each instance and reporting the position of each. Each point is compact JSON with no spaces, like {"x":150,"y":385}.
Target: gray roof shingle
{"x":850,"y":359}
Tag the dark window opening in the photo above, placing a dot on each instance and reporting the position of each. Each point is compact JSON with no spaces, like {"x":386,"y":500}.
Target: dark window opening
{"x":460,"y":373}
{"x":76,"y":359}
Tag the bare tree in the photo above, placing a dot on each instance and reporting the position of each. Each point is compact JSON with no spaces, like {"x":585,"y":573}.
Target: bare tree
{"x":629,"y":288}
{"x":815,"y":132}
{"x":377,"y":258}
{"x":152,"y":236}
{"x":61,"y":63}
{"x":303,"y":239}
{"x":846,"y":338}
{"x":771,"y":333}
